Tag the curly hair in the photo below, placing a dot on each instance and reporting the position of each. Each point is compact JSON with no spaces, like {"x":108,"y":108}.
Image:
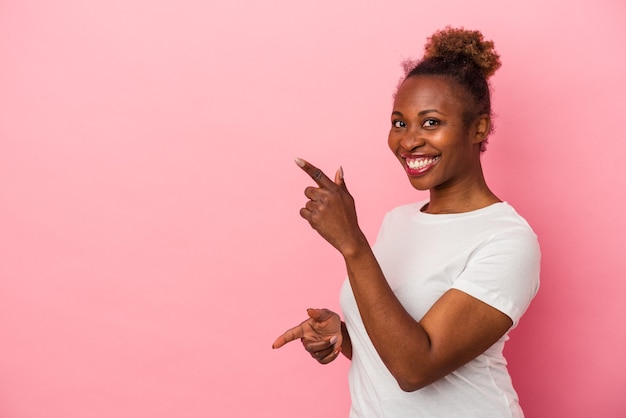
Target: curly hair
{"x":464,"y":56}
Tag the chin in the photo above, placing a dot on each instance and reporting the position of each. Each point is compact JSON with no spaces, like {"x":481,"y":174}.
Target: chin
{"x":420,"y":185}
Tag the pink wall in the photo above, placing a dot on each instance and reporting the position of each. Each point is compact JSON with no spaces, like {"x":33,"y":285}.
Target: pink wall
{"x":150,"y":243}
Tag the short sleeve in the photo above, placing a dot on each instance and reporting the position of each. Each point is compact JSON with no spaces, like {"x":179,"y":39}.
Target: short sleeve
{"x":504,"y":272}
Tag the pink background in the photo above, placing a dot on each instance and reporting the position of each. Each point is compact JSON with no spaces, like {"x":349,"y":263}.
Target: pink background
{"x":150,"y":242}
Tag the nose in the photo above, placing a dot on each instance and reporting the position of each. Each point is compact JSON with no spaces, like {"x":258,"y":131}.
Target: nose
{"x":411,"y":140}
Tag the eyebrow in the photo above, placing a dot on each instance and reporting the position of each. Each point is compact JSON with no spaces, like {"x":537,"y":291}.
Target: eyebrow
{"x":421,"y":113}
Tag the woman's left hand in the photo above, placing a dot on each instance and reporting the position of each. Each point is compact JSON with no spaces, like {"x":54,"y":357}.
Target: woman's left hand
{"x":330,"y":209}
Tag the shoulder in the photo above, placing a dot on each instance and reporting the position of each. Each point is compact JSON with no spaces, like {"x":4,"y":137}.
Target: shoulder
{"x":496,"y":219}
{"x":506,"y":222}
{"x":506,"y":213}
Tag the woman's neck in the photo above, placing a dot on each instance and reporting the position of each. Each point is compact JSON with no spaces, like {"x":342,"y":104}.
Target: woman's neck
{"x":469,"y":195}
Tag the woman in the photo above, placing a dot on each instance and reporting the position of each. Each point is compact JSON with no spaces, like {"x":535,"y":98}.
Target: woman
{"x":427,"y":310}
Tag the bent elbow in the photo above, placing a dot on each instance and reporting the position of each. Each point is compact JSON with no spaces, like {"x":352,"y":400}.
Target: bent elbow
{"x":412,"y":384}
{"x":416,"y":376}
{"x":410,"y":387}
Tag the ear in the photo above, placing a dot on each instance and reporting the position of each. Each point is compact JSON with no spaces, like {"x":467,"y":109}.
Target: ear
{"x":482,"y":128}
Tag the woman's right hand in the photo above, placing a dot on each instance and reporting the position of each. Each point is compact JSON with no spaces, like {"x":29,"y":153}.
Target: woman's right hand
{"x":320,"y":335}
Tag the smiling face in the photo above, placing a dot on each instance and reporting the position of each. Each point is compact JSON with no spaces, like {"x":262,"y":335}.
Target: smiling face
{"x":438,"y":148}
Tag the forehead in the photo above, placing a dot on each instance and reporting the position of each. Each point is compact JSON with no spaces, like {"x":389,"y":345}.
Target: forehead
{"x":432,"y":92}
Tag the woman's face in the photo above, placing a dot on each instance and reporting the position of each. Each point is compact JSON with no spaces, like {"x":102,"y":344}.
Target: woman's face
{"x":435,"y":146}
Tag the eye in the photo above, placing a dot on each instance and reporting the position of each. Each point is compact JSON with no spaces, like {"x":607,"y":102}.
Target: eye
{"x":430,"y":123}
{"x":398,"y":123}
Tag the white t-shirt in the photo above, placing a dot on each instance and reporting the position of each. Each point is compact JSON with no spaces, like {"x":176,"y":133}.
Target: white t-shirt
{"x":491,"y":254}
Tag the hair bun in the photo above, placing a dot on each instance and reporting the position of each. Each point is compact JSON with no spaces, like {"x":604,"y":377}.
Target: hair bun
{"x":458,"y":44}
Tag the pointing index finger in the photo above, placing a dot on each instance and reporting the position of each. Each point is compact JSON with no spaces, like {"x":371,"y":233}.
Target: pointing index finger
{"x":288,"y":336}
{"x":315,"y":173}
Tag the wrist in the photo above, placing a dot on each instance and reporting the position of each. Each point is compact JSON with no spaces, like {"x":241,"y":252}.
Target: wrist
{"x":356,"y":247}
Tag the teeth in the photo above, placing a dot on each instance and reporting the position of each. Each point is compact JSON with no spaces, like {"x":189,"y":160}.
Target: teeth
{"x":421,"y":162}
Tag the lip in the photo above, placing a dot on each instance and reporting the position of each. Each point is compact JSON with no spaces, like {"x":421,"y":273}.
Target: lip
{"x":419,"y":164}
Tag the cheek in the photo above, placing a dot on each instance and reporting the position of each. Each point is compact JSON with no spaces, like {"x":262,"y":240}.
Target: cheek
{"x":392,"y":142}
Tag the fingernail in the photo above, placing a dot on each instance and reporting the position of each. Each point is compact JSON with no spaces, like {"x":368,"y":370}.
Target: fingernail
{"x":334,"y":339}
{"x":341,"y":172}
{"x":299,"y":162}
